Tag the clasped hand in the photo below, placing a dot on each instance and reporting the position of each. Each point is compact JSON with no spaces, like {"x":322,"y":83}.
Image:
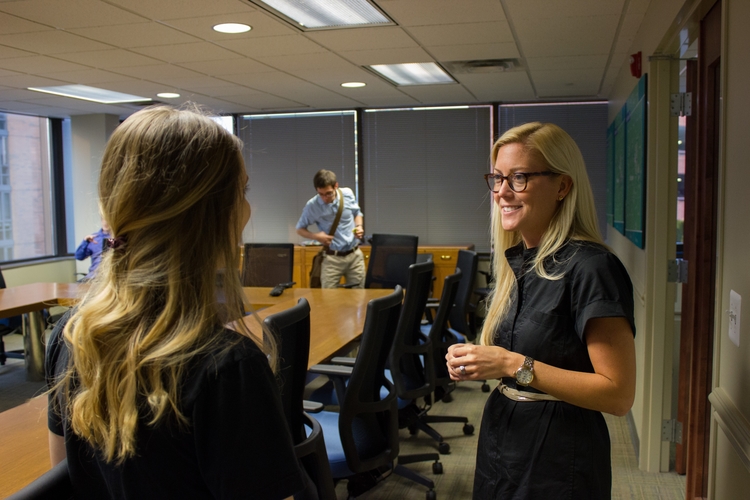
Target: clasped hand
{"x":481,"y":362}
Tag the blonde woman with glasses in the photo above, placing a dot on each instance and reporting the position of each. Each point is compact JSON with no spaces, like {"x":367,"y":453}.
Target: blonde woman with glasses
{"x":559,"y":333}
{"x":157,"y":390}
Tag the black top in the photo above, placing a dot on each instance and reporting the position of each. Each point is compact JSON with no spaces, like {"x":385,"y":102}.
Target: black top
{"x":237,"y":444}
{"x":552,"y":449}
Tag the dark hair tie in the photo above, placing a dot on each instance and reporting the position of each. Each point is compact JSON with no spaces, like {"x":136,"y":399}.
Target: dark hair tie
{"x":115,"y":243}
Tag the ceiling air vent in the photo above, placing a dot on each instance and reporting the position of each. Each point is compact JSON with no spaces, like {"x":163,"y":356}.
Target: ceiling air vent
{"x":482,"y":66}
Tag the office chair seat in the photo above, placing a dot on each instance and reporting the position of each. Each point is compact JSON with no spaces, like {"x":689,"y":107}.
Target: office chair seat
{"x":329,"y":421}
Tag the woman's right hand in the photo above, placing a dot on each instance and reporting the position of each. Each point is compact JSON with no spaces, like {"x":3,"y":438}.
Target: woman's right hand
{"x":481,"y":362}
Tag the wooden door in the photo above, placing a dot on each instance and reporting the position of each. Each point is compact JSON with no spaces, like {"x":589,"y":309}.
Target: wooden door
{"x":698,"y":299}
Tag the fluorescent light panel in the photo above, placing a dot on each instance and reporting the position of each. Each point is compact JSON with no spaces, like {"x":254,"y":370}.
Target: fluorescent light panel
{"x":92,"y":94}
{"x":327,"y":13}
{"x":413,"y":73}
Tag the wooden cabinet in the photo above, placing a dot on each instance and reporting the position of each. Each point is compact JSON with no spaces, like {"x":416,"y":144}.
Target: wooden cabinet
{"x":444,"y":258}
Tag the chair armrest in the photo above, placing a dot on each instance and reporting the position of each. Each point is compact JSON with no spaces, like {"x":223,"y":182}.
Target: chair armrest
{"x":312,"y":406}
{"x":332,"y":370}
{"x":342,"y":360}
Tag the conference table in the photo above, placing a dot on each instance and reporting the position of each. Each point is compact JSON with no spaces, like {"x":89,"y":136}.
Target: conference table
{"x":337,"y":317}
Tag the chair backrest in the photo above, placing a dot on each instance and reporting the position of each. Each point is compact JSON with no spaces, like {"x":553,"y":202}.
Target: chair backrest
{"x":411,"y":362}
{"x":292,"y":329}
{"x":267,"y":264}
{"x":368,"y":425}
{"x":458,"y":315}
{"x":55,"y":483}
{"x":390,"y":258}
{"x":2,"y":280}
{"x":439,"y":335}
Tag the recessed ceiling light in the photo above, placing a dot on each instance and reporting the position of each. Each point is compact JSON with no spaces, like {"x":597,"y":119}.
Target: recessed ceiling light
{"x":317,"y":14}
{"x":232,"y":28}
{"x":413,"y":73}
{"x":353,"y":85}
{"x":93,"y":94}
{"x":168,"y":95}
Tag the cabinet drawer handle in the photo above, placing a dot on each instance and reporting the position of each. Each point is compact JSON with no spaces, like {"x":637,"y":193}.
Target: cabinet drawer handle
{"x":446,"y":257}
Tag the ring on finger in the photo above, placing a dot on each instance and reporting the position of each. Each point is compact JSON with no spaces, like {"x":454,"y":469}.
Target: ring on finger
{"x":462,"y":369}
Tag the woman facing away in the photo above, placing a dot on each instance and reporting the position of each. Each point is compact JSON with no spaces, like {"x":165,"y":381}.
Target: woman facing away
{"x":559,"y":332}
{"x":154,"y":394}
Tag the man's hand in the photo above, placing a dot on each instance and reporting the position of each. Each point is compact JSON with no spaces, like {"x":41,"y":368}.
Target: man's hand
{"x":359,"y":233}
{"x":90,"y":238}
{"x":324,"y":238}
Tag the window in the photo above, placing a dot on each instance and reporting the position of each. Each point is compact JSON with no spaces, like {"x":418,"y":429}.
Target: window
{"x":26,"y":223}
{"x":423,"y":174}
{"x":282,"y":154}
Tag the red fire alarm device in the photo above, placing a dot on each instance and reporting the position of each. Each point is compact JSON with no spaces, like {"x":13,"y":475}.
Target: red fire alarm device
{"x":635,"y":65}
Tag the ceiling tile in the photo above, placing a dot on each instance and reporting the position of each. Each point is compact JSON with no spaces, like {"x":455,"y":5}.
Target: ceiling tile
{"x":23,"y":81}
{"x":8,"y":52}
{"x":38,"y":64}
{"x":87,"y":76}
{"x":327,"y":61}
{"x":50,"y":42}
{"x":567,"y":36}
{"x":424,"y":12}
{"x":462,"y":34}
{"x":508,"y":86}
{"x":12,"y":24}
{"x":187,"y":52}
{"x":567,"y":62}
{"x":108,"y":59}
{"x":395,"y":101}
{"x":227,"y":67}
{"x":386,"y":56}
{"x":541,"y":9}
{"x":261,"y":100}
{"x":156,"y":72}
{"x":180,"y":9}
{"x":221,"y":90}
{"x":381,"y":37}
{"x":431,"y":94}
{"x":475,"y":52}
{"x":135,"y":35}
{"x":71,"y":13}
{"x":273,"y":46}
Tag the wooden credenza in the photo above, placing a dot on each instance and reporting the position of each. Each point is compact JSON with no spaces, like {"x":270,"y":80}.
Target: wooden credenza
{"x":444,"y":258}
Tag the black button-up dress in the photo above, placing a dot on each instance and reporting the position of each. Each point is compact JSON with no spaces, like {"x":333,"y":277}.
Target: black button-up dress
{"x":552,"y":449}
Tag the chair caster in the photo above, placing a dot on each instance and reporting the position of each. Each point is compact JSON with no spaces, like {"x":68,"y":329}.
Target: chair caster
{"x":413,"y":429}
{"x":468,"y":429}
{"x":485,"y":387}
{"x":431,"y":495}
{"x":447,"y":398}
{"x":444,"y":448}
{"x":437,"y":468}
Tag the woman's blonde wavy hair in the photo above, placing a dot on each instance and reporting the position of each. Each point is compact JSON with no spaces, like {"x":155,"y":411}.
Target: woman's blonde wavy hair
{"x":171,"y":187}
{"x":575,"y":217}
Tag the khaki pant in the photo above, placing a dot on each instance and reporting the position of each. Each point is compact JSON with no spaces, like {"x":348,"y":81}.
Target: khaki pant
{"x":351,"y":267}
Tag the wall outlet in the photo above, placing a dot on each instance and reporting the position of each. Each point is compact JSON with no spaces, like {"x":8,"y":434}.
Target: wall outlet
{"x":735,"y":305}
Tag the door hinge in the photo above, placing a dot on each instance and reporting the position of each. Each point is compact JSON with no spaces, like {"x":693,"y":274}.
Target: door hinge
{"x":671,"y":430}
{"x":677,"y":271}
{"x":681,"y":104}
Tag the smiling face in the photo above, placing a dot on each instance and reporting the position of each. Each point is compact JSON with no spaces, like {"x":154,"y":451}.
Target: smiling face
{"x":530,"y":211}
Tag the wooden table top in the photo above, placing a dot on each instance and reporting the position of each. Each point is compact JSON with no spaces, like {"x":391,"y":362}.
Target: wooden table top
{"x":337,"y":317}
{"x":36,"y":296}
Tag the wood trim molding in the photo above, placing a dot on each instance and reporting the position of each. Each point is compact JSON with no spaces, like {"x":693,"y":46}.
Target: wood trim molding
{"x":734,"y":424}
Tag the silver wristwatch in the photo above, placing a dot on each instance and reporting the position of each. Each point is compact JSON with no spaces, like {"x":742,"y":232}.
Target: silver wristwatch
{"x":525,"y":374}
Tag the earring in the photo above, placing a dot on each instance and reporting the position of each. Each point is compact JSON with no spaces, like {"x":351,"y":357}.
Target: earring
{"x":560,"y":198}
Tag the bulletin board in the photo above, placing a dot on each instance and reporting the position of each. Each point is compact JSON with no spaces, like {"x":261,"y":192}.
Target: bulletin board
{"x":635,"y":167}
{"x":626,"y":167}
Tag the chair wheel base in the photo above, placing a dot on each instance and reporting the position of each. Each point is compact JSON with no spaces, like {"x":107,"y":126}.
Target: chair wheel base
{"x":437,"y":468}
{"x":431,"y":495}
{"x":444,"y":448}
{"x":485,"y":387}
{"x":468,"y":429}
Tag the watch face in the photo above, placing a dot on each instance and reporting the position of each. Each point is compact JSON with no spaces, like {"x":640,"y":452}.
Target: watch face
{"x":524,"y":376}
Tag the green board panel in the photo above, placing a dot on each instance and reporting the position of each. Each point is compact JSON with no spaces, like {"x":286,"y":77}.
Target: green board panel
{"x":635,"y":164}
{"x":619,"y":172}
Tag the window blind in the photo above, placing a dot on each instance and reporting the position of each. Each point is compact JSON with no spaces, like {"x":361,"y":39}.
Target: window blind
{"x":282,"y":154}
{"x":587,"y":125}
{"x":423,"y":174}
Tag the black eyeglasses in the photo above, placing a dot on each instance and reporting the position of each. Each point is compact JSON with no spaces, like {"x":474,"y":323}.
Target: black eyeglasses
{"x":516,"y":181}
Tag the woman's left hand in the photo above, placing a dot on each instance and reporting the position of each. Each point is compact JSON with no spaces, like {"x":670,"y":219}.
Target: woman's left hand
{"x":481,"y":362}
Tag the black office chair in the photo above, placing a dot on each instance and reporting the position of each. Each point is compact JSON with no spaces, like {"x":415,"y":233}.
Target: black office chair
{"x":8,"y":326}
{"x":292,"y":329}
{"x":390,"y":258}
{"x":362,"y":438}
{"x":440,"y":339}
{"x":52,"y":485}
{"x":267,"y":264}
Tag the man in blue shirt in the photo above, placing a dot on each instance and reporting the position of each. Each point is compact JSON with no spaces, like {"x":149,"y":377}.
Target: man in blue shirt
{"x":92,"y":246}
{"x":343,"y":256}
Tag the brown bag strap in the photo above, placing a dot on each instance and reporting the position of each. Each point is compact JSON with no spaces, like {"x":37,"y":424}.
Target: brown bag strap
{"x":338,"y":214}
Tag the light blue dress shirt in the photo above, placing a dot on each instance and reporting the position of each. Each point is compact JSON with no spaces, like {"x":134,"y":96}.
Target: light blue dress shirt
{"x":323,"y":214}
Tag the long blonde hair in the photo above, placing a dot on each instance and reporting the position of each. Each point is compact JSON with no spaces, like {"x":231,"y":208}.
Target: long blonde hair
{"x":575,"y":217}
{"x":171,"y":188}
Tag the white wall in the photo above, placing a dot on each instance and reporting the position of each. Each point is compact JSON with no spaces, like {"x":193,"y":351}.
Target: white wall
{"x":57,"y":271}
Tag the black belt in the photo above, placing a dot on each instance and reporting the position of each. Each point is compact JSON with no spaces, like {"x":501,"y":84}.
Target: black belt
{"x":341,"y":253}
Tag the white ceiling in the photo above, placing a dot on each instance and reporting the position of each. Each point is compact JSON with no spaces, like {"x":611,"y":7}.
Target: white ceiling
{"x":568,"y":49}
